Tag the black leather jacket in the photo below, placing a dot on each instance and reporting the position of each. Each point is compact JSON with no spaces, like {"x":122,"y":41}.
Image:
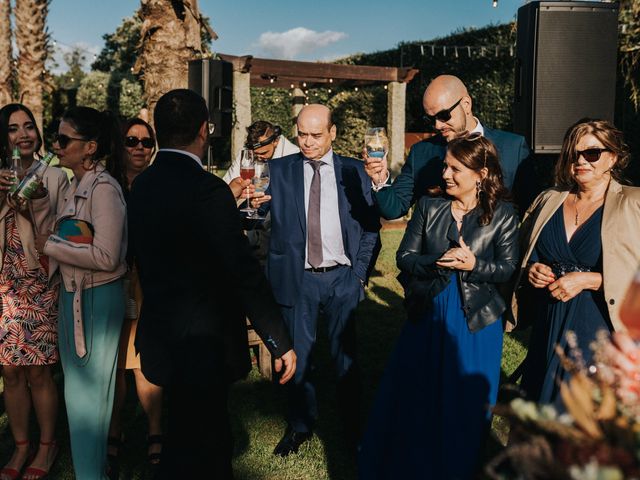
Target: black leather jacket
{"x":432,"y":231}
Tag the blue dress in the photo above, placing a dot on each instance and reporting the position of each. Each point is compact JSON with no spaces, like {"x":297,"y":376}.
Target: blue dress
{"x":431,"y":412}
{"x":584,"y":314}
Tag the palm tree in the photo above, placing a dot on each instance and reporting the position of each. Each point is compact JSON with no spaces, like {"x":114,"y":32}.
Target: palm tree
{"x":170,"y":38}
{"x":6,"y":53}
{"x":32,"y":40}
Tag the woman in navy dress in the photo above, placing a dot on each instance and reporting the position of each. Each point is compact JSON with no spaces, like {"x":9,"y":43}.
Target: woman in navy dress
{"x":583,"y":250}
{"x":431,"y":412}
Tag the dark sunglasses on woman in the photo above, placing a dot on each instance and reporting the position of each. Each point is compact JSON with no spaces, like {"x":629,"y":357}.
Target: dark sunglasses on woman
{"x":64,"y":140}
{"x":134,"y":141}
{"x":591,"y":154}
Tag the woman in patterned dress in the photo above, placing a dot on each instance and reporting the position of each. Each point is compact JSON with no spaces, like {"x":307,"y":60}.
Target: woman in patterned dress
{"x":28,"y":322}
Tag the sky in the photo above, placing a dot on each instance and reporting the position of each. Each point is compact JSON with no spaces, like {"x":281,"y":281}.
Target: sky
{"x":321,"y":30}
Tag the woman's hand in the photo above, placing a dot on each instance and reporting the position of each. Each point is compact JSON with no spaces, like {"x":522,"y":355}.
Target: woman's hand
{"x":540,"y":275}
{"x":459,"y":258}
{"x":570,"y":285}
{"x":7,"y":180}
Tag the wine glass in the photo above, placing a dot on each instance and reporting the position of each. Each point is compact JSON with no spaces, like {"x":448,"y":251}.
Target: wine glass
{"x":376,"y":142}
{"x":247,"y":172}
{"x":630,"y":308}
{"x":261,"y":183}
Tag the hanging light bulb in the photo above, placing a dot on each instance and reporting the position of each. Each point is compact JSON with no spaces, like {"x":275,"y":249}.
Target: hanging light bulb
{"x":495,"y":3}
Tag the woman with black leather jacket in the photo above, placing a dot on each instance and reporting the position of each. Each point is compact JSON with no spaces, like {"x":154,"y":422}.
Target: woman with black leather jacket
{"x":431,"y":412}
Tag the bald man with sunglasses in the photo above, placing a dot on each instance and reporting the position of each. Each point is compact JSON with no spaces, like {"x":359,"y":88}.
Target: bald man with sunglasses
{"x":448,"y":111}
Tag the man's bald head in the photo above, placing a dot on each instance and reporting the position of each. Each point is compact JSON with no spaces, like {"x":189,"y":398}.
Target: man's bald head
{"x":442,"y":96}
{"x":317,"y":113}
{"x":316,"y":131}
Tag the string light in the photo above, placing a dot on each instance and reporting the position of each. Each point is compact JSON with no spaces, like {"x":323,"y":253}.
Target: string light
{"x":495,"y":3}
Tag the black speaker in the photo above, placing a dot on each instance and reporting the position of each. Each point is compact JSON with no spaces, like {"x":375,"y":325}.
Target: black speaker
{"x":213,"y":79}
{"x":565,"y":68}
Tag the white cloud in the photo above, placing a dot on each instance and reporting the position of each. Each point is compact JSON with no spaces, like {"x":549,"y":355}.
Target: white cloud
{"x":299,"y":40}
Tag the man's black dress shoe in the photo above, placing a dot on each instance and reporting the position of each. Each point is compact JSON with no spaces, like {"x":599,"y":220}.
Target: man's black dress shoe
{"x":290,"y":442}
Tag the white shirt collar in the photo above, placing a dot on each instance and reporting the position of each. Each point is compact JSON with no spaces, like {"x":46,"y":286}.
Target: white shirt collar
{"x":326,"y":158}
{"x":184,"y":152}
{"x":479,"y":128}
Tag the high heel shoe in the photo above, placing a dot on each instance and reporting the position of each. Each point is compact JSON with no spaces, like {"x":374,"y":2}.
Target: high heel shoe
{"x":12,"y":473}
{"x":33,"y":473}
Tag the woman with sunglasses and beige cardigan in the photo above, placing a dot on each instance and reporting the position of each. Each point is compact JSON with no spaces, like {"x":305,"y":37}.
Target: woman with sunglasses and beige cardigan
{"x":88,"y":245}
{"x":581,"y":250}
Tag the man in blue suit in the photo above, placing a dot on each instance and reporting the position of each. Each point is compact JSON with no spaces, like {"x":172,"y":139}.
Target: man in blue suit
{"x":324,"y":230}
{"x":448,"y":109}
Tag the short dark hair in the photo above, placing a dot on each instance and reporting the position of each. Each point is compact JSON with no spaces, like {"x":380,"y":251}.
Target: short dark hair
{"x":258,"y":129}
{"x":178,"y":116}
{"x":607,"y":133}
{"x":5,"y":116}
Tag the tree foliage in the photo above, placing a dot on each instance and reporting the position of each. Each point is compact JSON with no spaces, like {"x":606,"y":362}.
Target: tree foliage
{"x":120,"y":49}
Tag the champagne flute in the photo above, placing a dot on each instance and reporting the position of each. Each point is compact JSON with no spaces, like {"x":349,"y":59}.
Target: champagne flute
{"x":261,"y":183}
{"x":247,"y":172}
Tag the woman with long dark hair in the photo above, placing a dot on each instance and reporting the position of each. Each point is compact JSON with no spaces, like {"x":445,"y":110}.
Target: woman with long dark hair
{"x":29,"y":311}
{"x":88,"y":244}
{"x":431,"y":412}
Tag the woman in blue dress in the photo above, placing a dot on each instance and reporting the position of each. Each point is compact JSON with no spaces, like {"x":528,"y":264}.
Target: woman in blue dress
{"x":431,"y":412}
{"x":582,"y":252}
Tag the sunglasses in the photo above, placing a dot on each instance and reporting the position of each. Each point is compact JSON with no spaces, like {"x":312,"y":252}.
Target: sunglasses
{"x":442,"y":115}
{"x":132,"y":141}
{"x":591,"y":154}
{"x":63,"y":140}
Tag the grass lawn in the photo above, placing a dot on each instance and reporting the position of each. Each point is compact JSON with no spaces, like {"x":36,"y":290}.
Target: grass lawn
{"x":257,"y":407}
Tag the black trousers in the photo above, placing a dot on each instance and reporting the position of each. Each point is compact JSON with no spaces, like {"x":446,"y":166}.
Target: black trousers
{"x":198,"y":442}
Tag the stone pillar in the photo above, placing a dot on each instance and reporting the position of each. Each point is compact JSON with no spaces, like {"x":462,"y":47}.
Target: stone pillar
{"x":297,"y":103}
{"x":396,"y":98}
{"x":242,"y":110}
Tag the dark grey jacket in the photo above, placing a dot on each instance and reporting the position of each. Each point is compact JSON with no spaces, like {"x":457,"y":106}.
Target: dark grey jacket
{"x":432,"y":231}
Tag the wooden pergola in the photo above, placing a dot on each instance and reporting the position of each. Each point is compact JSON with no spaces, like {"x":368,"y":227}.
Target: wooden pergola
{"x":298,"y":76}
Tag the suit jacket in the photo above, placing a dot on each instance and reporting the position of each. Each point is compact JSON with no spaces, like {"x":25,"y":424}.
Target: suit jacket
{"x":198,"y":277}
{"x":619,"y":232}
{"x":423,"y":169}
{"x":358,"y":218}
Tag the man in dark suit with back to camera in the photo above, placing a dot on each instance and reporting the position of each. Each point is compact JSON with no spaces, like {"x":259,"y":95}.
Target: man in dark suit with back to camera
{"x":448,"y":109}
{"x":199,"y":281}
{"x":324,"y":231}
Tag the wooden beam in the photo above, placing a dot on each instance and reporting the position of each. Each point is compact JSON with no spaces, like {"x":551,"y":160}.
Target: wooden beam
{"x":317,"y":72}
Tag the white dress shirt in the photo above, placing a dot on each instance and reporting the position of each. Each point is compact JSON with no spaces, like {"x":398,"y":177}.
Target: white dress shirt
{"x":189,"y":154}
{"x":330,"y":226}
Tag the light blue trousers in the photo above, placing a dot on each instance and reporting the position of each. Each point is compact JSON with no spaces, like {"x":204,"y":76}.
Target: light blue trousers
{"x":89,"y":382}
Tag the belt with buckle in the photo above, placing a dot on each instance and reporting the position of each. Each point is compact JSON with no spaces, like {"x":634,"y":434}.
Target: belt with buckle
{"x":322,"y":269}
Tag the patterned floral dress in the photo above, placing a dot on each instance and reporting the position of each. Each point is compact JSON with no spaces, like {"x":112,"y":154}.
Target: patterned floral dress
{"x":28,"y":323}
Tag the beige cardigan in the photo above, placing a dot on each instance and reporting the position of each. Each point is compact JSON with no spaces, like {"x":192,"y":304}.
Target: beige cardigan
{"x":620,"y":233}
{"x":42,"y":211}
